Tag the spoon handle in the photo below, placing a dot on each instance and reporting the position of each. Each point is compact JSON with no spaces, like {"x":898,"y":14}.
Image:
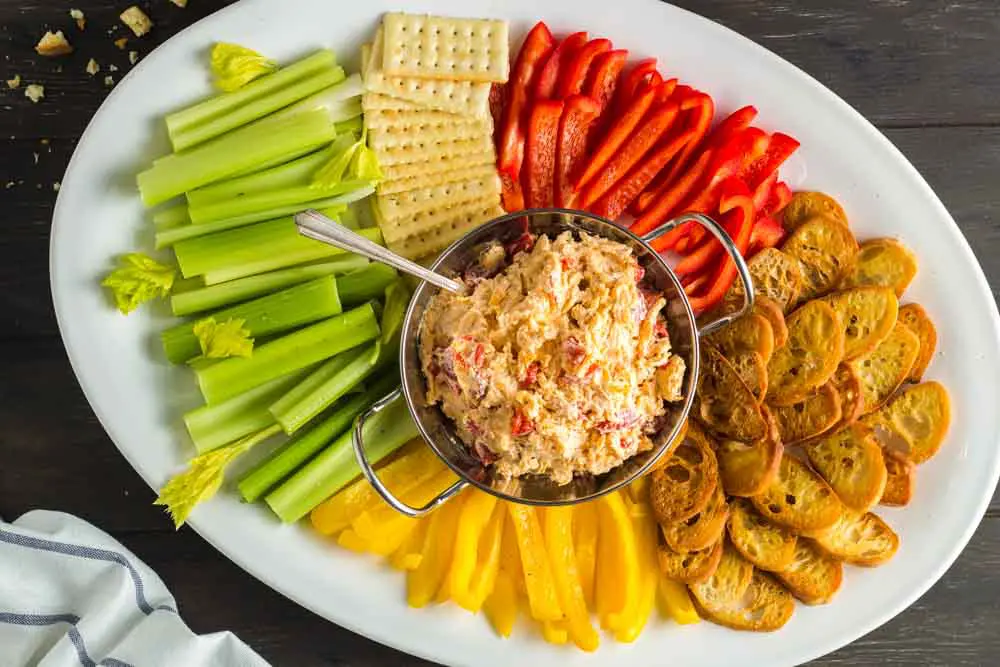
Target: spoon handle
{"x":317,"y":226}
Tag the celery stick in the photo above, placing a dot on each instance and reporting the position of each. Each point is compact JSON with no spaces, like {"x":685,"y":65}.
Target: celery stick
{"x":293,"y":415}
{"x":230,"y":377}
{"x":365,"y":284}
{"x":271,"y":314}
{"x":220,"y":105}
{"x":215,"y":296}
{"x":332,"y":207}
{"x":289,"y":174}
{"x":212,"y":426}
{"x":241,"y":149}
{"x":215,"y":127}
{"x":262,"y":202}
{"x":287,"y":251}
{"x":352,"y":126}
{"x":332,"y":100}
{"x":335,"y":466}
{"x":314,"y":380}
{"x":174,"y":216}
{"x":285,"y":460}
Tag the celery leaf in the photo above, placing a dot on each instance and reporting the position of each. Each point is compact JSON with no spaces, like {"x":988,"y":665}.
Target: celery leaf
{"x":138,"y":279}
{"x":228,"y":339}
{"x":234,"y":66}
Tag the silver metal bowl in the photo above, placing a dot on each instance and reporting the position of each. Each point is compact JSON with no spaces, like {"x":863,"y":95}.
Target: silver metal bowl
{"x":438,"y":430}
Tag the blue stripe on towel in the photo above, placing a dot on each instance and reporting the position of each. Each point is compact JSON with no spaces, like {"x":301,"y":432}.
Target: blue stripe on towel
{"x":74,"y":634}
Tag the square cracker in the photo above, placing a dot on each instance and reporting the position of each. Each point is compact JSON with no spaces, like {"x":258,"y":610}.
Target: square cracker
{"x":435,"y":240}
{"x":432,"y":152}
{"x":386,"y":138}
{"x":410,"y":170}
{"x":398,"y":229}
{"x":431,"y":179}
{"x":417,"y":119}
{"x":436,"y":47}
{"x":407,"y":204}
{"x":460,"y":97}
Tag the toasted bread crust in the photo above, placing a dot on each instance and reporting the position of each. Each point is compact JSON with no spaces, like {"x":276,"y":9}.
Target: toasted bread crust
{"x":728,"y":583}
{"x":868,"y":315}
{"x":752,"y":369}
{"x":813,"y":576}
{"x":810,"y":418}
{"x":766,"y":607}
{"x":799,"y":499}
{"x":920,"y":415}
{"x":766,"y":545}
{"x":688,"y":568}
{"x":826,"y":251}
{"x":724,"y":404}
{"x":807,"y":205}
{"x":885,"y":368}
{"x":810,"y":357}
{"x":747,"y":469}
{"x":776,"y":276}
{"x":772,"y":311}
{"x":703,"y":529}
{"x":850,"y":460}
{"x":900,"y":481}
{"x":859,"y":539}
{"x":683,"y":485}
{"x":750,"y":333}
{"x":847,"y":382}
{"x":915,"y":318}
{"x":885,"y":262}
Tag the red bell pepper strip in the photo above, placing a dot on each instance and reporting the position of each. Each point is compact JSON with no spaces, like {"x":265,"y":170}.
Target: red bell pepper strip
{"x":779,"y":148}
{"x":615,"y":201}
{"x":602,"y":82}
{"x":668,"y":201}
{"x":538,"y":179}
{"x":654,"y":80}
{"x":560,"y":57}
{"x":630,"y":83}
{"x":732,"y":159}
{"x":579,"y":112}
{"x":667,"y":89}
{"x":511,"y":194}
{"x":631,"y":152}
{"x":737,"y":121}
{"x":737,"y":214}
{"x":573,"y":76}
{"x":700,"y":108}
{"x":777,"y":199}
{"x":685,"y":245}
{"x":767,"y":233}
{"x":536,"y":47}
{"x":696,"y":283}
{"x":616,"y":136}
{"x":498,"y":98}
{"x":734,"y":191}
{"x":762,"y":193}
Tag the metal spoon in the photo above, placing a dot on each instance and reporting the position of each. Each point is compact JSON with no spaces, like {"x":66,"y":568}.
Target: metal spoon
{"x":317,"y":226}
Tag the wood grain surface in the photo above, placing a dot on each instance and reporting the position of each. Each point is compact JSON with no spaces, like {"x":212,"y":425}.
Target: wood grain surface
{"x":926,"y":72}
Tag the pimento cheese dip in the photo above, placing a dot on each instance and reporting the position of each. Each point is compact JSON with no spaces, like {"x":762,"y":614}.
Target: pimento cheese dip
{"x":554,"y":360}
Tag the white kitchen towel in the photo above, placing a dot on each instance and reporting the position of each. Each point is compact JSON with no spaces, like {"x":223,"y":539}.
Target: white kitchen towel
{"x":71,"y":595}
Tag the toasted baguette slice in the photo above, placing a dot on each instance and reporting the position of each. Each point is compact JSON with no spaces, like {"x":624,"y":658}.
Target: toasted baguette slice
{"x":809,"y":418}
{"x":886,"y":367}
{"x":799,"y":499}
{"x":776,"y":276}
{"x":750,"y":333}
{"x":826,"y":251}
{"x":885,"y":262}
{"x":859,"y":539}
{"x":813,"y":576}
{"x":900,"y":481}
{"x":867,"y":313}
{"x":772,"y":311}
{"x":728,"y":583}
{"x":766,"y":545}
{"x":807,"y":205}
{"x":703,"y":529}
{"x":847,"y":382}
{"x":688,"y":568}
{"x":920,"y":416}
{"x":724,"y":404}
{"x":765,"y":607}
{"x":746,"y":469}
{"x":752,"y":369}
{"x":683,"y":486}
{"x":809,"y":358}
{"x":915,"y":318}
{"x":850,"y":460}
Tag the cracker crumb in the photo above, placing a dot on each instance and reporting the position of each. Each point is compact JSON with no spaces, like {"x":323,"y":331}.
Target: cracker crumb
{"x":133,"y":57}
{"x":44,"y":142}
{"x":109,"y":81}
{"x":53,"y":44}
{"x":77,"y":15}
{"x":92,"y":67}
{"x":36,"y":157}
{"x":34,"y":92}
{"x":10,"y":184}
{"x":112,"y":68}
{"x":56,"y":185}
{"x":180,"y":3}
{"x":136,"y":20}
{"x":15,"y":82}
{"x":121,"y":42}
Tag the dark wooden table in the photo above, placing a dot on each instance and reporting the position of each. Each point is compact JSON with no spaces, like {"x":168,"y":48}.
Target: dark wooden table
{"x":926,"y":72}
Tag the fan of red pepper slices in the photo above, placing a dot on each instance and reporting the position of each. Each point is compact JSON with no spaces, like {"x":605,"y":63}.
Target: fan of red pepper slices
{"x":573,"y":130}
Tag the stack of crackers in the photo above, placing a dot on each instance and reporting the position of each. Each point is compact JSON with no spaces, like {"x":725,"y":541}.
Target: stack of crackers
{"x":426,"y":105}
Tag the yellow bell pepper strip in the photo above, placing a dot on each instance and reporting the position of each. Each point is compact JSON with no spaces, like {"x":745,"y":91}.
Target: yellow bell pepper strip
{"x":557,"y":523}
{"x":385,"y":529}
{"x":510,"y":554}
{"x":645,"y":537}
{"x":501,"y":605}
{"x":638,"y":490}
{"x":617,"y":580}
{"x":555,"y":632}
{"x":350,"y":540}
{"x":538,"y":579}
{"x":472,"y":523}
{"x":423,"y":583}
{"x":675,"y":602}
{"x":585,"y":547}
{"x":487,"y":565}
{"x":415,"y":463}
{"x":408,"y":556}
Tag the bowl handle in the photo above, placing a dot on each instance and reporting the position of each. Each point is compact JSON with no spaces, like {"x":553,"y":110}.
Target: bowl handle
{"x":727,"y":244}
{"x":357,"y":440}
